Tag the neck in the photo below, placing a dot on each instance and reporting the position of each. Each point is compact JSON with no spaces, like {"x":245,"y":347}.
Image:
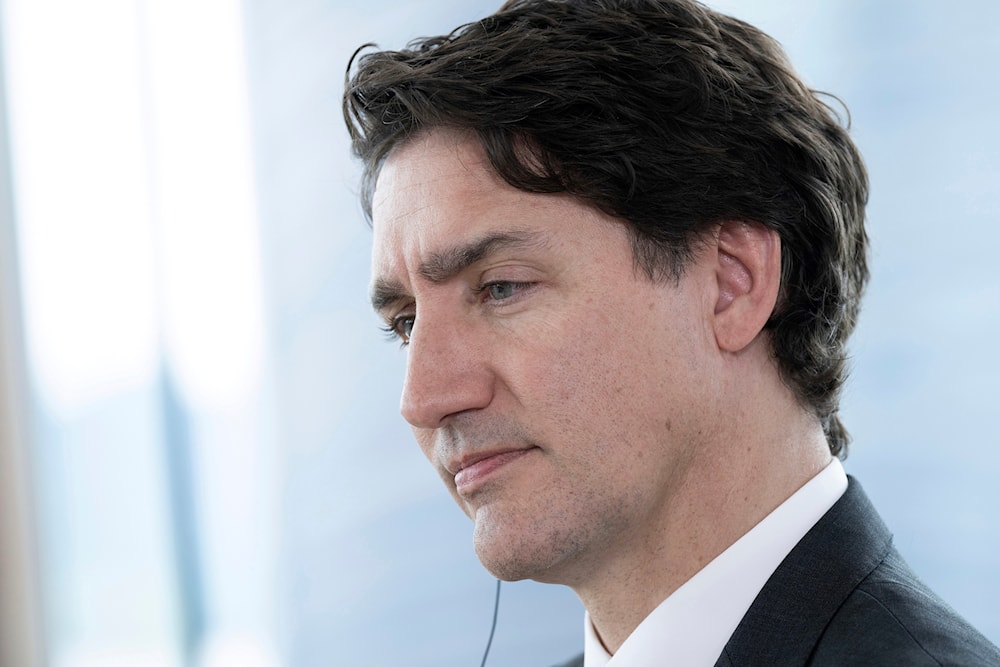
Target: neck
{"x":734,"y":482}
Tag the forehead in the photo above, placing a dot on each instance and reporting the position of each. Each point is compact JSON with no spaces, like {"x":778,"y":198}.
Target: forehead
{"x":439,"y":208}
{"x":429,"y":180}
{"x":438,"y":191}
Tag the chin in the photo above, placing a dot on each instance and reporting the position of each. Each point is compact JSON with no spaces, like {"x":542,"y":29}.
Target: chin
{"x":514,"y":551}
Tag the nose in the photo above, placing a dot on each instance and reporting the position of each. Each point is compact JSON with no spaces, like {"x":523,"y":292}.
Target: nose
{"x":447,"y":372}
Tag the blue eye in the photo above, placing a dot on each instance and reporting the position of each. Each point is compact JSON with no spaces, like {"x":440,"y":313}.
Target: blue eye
{"x":501,"y":291}
{"x":400,"y":328}
{"x":403,"y":326}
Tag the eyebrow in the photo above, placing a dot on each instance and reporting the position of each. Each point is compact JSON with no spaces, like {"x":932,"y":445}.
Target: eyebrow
{"x":445,"y":264}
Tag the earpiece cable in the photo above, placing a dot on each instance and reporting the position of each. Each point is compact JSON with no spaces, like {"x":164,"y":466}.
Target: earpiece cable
{"x":493,"y":628}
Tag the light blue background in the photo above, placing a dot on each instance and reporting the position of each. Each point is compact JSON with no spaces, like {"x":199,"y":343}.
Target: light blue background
{"x":376,"y":564}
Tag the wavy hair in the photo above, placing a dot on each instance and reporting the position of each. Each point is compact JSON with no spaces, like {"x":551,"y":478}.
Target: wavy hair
{"x":662,"y":113}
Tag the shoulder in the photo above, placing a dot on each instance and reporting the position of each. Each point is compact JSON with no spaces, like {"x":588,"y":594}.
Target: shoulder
{"x":844,"y":596}
{"x":892,"y":618}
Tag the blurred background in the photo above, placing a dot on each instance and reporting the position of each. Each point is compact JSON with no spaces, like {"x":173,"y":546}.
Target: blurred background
{"x":201,"y":457}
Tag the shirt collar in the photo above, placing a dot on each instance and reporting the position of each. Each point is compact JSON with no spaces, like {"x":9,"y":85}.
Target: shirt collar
{"x":692,"y":626}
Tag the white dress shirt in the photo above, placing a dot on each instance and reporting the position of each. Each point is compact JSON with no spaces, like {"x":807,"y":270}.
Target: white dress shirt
{"x":692,"y":626}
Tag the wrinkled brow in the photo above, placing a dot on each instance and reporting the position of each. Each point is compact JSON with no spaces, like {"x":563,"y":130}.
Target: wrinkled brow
{"x":446,"y":264}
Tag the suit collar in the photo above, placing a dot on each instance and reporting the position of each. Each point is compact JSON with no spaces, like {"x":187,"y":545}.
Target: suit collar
{"x":787,"y":618}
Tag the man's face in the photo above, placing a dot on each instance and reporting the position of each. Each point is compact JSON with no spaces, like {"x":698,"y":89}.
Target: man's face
{"x":560,"y":394}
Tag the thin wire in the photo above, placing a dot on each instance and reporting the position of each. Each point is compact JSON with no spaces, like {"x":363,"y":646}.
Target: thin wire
{"x":489,"y":642}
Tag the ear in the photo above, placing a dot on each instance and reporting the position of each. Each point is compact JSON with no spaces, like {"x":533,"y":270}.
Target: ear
{"x":748,"y":271}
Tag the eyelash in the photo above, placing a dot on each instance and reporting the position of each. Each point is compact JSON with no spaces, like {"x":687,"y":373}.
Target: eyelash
{"x":392,"y":334}
{"x":392,"y":329}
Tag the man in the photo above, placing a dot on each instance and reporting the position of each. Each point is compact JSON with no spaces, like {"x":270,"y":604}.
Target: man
{"x":624,"y":247}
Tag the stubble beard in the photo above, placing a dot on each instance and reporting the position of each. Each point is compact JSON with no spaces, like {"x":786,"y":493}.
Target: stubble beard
{"x":551,"y":543}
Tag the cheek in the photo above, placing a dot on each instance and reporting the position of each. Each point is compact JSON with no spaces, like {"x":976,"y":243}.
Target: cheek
{"x":620,"y":376}
{"x":576,"y":378}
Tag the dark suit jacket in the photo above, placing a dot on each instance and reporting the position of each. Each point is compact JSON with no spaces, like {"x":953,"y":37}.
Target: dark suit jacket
{"x":844,"y":596}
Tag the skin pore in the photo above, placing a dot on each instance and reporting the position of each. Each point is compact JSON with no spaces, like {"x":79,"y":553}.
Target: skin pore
{"x":602,"y":430}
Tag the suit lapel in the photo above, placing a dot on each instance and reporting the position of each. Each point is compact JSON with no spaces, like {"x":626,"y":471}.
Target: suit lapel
{"x":787,"y":618}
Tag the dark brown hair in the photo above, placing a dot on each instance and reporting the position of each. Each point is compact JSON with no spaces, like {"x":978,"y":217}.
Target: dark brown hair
{"x":665,"y":114}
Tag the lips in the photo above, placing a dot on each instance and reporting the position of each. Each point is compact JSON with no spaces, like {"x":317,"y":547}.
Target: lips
{"x":476,"y":470}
